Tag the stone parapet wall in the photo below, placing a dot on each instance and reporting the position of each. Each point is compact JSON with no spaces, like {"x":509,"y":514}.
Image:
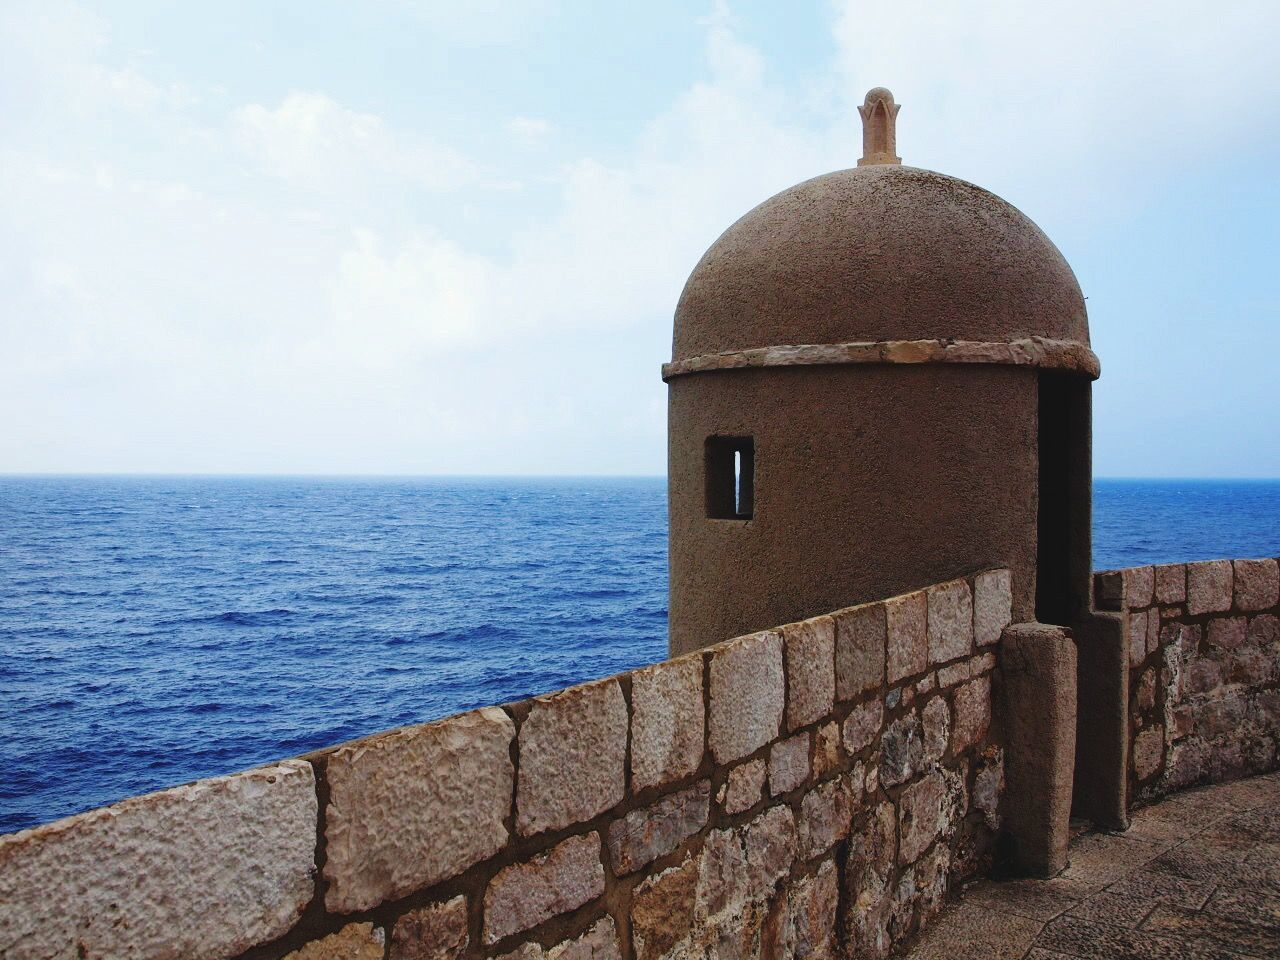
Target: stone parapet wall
{"x":1204,"y":670}
{"x":808,"y":791}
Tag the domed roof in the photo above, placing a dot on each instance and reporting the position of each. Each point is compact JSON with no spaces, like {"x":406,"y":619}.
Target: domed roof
{"x":881,"y":252}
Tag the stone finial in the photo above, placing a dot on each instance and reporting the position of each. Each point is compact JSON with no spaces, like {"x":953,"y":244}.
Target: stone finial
{"x":879,"y":120}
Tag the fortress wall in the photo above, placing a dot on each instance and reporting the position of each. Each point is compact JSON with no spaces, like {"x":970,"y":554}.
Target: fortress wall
{"x":1204,"y":670}
{"x":808,"y":791}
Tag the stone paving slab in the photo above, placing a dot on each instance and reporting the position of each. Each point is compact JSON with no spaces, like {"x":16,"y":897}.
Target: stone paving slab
{"x":1197,"y":877}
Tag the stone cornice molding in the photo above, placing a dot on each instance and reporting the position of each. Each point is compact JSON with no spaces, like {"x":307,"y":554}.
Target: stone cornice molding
{"x":1030,"y":352}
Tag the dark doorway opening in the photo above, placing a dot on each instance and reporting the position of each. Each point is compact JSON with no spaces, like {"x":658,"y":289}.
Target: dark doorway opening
{"x":1063,"y":536}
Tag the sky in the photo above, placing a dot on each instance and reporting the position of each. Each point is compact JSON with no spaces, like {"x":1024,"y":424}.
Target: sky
{"x":410,"y":237}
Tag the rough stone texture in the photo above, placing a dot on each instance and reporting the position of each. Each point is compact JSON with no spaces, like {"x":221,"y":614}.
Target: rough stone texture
{"x":935,"y":726}
{"x":525,"y":894}
{"x":920,"y":816}
{"x":437,"y":931}
{"x":415,"y":806}
{"x":811,"y":677}
{"x":573,"y":747}
{"x":662,"y":909}
{"x":1257,"y":584}
{"x":1137,"y":622}
{"x":825,"y":816}
{"x":747,"y":691}
{"x":950,"y":621}
{"x":860,"y":647}
{"x":1148,"y":751}
{"x":600,"y":942}
{"x":862,"y":726}
{"x":743,"y":786}
{"x":204,"y":870}
{"x":907,"y":650}
{"x":868,"y":865}
{"x":992,"y":605}
{"x":973,"y":713}
{"x":355,"y":941}
{"x":828,"y":757}
{"x":1171,"y":583}
{"x":1208,"y":587}
{"x":648,"y":833}
{"x":949,"y":676}
{"x":788,"y":764}
{"x":1139,"y":586}
{"x":809,"y":930}
{"x":667,"y":728}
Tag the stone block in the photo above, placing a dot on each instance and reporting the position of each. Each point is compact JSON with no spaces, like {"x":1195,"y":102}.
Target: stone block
{"x":811,"y":670}
{"x":920,"y":816}
{"x":988,"y":785}
{"x":1148,"y":751}
{"x":662,"y":910}
{"x":743,"y":786}
{"x":902,"y":750}
{"x":828,"y":757}
{"x":1264,"y":630}
{"x":1137,"y":621}
{"x":1146,"y":692}
{"x":906,"y":625}
{"x":953,"y":674}
{"x":992,"y":605}
{"x":437,"y":931}
{"x":860,"y":650}
{"x":573,"y":749}
{"x":769,"y":842}
{"x":862,"y":726}
{"x":973,"y":713}
{"x":355,"y":941}
{"x":416,"y":806}
{"x":1227,"y":633}
{"x":788,"y":764}
{"x":808,"y":933}
{"x":1108,"y":590}
{"x":747,"y":692}
{"x":1257,"y":584}
{"x":524,"y":895}
{"x":950,"y":621}
{"x":599,"y":942}
{"x":1139,"y":587}
{"x":826,"y":814}
{"x":648,"y":833}
{"x":200,"y":871}
{"x":1171,"y":583}
{"x":1209,"y":587}
{"x":935,"y":726}
{"x":667,"y":723}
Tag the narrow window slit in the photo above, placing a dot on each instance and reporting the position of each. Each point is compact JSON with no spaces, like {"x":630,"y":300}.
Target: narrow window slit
{"x":730,"y":478}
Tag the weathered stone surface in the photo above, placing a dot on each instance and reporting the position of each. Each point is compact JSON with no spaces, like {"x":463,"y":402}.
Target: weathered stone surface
{"x":811,"y":670}
{"x":907,"y":642}
{"x":950,"y":621}
{"x":573,"y":749}
{"x":770,"y":845}
{"x":809,"y":930}
{"x":935,"y":725}
{"x":1257,"y":584}
{"x":1209,"y":587}
{"x":902,"y":750}
{"x":743,"y":786}
{"x":1227,"y":633}
{"x":200,"y":871}
{"x":828,"y":757}
{"x":525,"y":894}
{"x":973,"y":713}
{"x":648,"y":833}
{"x":1153,"y":631}
{"x":860,"y":644}
{"x":747,"y":691}
{"x":920,"y":816}
{"x":1148,"y":751}
{"x":953,"y":674}
{"x":416,"y":806}
{"x":862,"y":726}
{"x":667,"y":729}
{"x":1146,"y":692}
{"x":871,"y":856}
{"x":992,"y":605}
{"x":1139,"y":587}
{"x":1171,"y":583}
{"x":662,"y":909}
{"x":355,"y":941}
{"x":988,"y":785}
{"x":1137,"y":621}
{"x":825,"y":816}
{"x":599,"y":942}
{"x":788,"y":764}
{"x":437,"y":931}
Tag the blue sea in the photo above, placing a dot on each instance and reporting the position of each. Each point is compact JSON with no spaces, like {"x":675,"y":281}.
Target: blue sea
{"x":157,"y":630}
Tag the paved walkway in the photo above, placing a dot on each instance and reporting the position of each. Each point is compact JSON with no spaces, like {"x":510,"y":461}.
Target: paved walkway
{"x":1197,"y":876}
